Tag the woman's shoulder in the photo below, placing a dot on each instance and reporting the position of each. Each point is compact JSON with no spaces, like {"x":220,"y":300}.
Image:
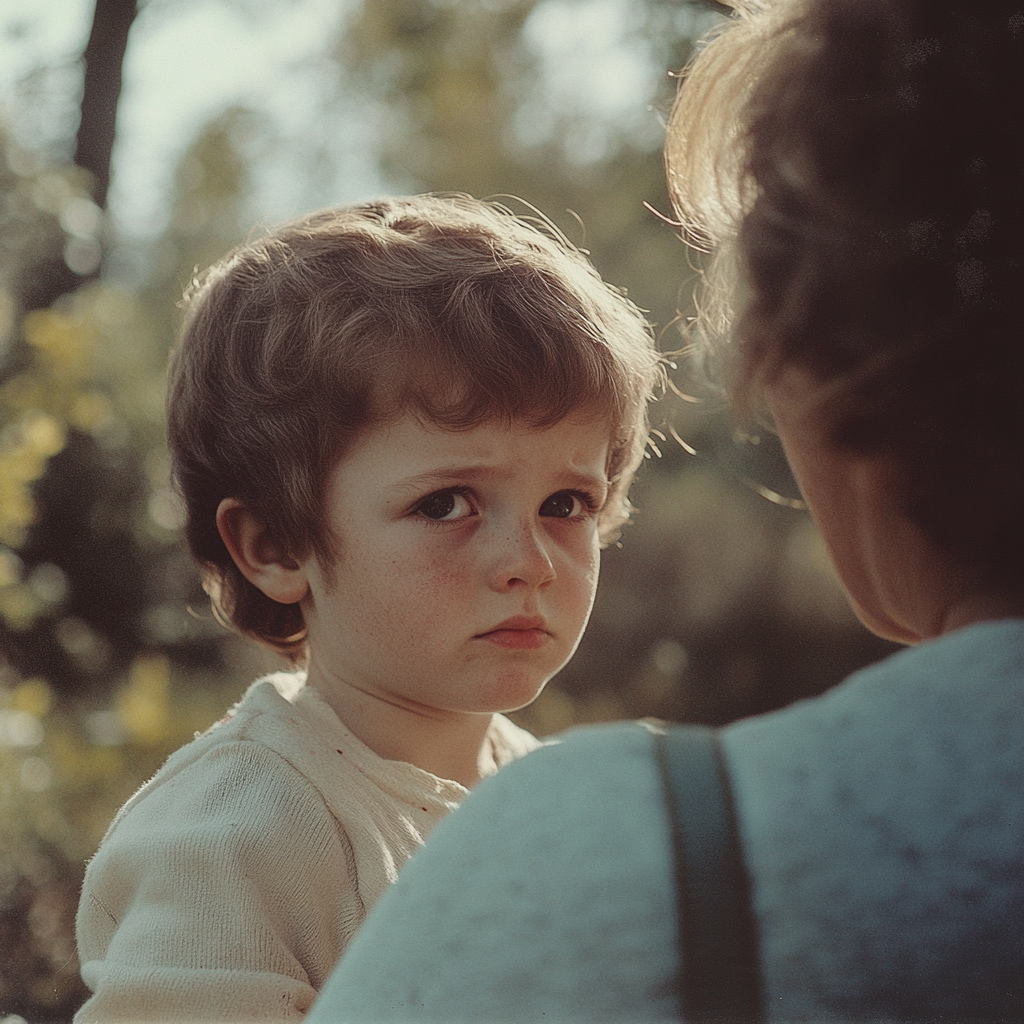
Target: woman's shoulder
{"x":588,"y":791}
{"x":927,"y":741}
{"x":948,"y":696}
{"x":568,"y":776}
{"x":889,"y":810}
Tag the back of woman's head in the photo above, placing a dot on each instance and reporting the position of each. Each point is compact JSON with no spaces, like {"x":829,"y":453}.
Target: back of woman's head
{"x":860,"y":166}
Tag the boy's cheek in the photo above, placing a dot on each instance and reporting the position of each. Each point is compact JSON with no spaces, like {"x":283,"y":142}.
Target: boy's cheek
{"x":440,"y":578}
{"x":588,"y":562}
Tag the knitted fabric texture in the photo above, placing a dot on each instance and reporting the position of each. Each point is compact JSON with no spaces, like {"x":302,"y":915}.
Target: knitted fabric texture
{"x":229,"y":885}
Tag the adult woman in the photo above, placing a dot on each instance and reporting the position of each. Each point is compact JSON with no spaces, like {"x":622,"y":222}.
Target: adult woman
{"x":860,"y":166}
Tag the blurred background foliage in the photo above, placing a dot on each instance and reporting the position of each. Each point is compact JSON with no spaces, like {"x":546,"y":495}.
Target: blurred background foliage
{"x":719,"y":602}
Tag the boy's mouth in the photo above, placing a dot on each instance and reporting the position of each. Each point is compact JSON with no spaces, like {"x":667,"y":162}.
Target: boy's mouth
{"x":521,"y":632}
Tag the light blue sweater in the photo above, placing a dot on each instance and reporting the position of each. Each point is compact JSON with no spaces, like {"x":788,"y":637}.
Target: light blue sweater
{"x":883,"y":827}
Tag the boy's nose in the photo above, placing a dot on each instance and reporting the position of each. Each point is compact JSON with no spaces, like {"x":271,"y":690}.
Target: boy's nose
{"x":522,"y":559}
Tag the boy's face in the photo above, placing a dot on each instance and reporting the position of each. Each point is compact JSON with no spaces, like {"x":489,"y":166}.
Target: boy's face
{"x":467,"y":562}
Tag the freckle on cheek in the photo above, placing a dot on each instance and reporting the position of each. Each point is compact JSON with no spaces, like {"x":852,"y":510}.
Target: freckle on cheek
{"x":437,"y":584}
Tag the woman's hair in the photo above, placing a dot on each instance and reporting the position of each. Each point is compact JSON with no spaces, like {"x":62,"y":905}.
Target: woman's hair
{"x":447,"y":306}
{"x":858,"y":166}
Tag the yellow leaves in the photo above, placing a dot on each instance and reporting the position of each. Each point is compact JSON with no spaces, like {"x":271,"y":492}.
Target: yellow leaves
{"x":16,"y":508}
{"x":25,"y":447}
{"x":62,"y":780}
{"x":35,"y":429}
{"x":21,"y":732}
{"x":32,"y":696}
{"x":89,"y":348}
{"x":64,"y":341}
{"x":143,"y":706}
{"x":91,"y":411}
{"x":53,"y":784}
{"x":19,"y":607}
{"x":42,"y":436}
{"x":10,"y":568}
{"x":91,"y":345}
{"x":7,"y":311}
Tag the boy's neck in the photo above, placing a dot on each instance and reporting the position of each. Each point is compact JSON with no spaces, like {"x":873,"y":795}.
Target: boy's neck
{"x":450,"y":745}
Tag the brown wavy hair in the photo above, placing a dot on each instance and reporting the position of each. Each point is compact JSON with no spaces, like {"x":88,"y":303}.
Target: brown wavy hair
{"x":455,"y":308}
{"x":857,"y":167}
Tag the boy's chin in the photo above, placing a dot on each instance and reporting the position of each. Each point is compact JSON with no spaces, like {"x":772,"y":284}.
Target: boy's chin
{"x":507,"y":694}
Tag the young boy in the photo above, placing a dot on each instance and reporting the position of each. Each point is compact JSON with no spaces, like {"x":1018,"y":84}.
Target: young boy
{"x":402,"y":431}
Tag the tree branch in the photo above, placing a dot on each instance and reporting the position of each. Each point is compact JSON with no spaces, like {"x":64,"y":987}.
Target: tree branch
{"x":104,"y":56}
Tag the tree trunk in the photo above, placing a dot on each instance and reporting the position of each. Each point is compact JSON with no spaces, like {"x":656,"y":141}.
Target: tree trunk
{"x":103,"y":56}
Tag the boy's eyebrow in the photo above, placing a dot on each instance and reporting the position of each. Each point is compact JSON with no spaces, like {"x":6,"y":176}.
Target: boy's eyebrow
{"x":444,"y":476}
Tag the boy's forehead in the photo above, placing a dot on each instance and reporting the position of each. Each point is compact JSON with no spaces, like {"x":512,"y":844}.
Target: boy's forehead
{"x":414,"y":444}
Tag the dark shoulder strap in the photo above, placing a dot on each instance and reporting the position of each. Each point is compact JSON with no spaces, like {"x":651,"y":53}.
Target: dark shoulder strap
{"x":720,"y":977}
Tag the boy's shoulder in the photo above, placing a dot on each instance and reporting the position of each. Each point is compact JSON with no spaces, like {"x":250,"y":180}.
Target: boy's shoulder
{"x":267,"y":695}
{"x":283,"y":743}
{"x":261,"y":741}
{"x":265,"y":716}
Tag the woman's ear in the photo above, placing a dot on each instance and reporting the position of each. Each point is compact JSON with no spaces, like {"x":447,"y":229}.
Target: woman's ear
{"x":260,"y":558}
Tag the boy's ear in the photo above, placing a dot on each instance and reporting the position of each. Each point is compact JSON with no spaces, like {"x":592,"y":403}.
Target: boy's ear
{"x":260,"y":559}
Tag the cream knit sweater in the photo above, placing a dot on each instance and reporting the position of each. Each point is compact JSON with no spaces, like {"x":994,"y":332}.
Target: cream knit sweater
{"x":229,"y":885}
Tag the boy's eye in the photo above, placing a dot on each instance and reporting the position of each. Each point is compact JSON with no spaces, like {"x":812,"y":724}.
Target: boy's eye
{"x":445,"y":505}
{"x":565,"y":505}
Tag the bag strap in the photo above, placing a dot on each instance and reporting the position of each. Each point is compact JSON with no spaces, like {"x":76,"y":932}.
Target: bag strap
{"x":719,"y":977}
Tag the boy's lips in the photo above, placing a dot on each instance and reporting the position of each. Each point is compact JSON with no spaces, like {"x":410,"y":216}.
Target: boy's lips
{"x":521,"y":632}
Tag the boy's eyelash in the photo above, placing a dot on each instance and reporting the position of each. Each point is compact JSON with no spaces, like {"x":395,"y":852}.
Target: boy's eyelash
{"x":592,"y":504}
{"x":465,"y":492}
{"x":590,"y":501}
{"x":458,"y":489}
